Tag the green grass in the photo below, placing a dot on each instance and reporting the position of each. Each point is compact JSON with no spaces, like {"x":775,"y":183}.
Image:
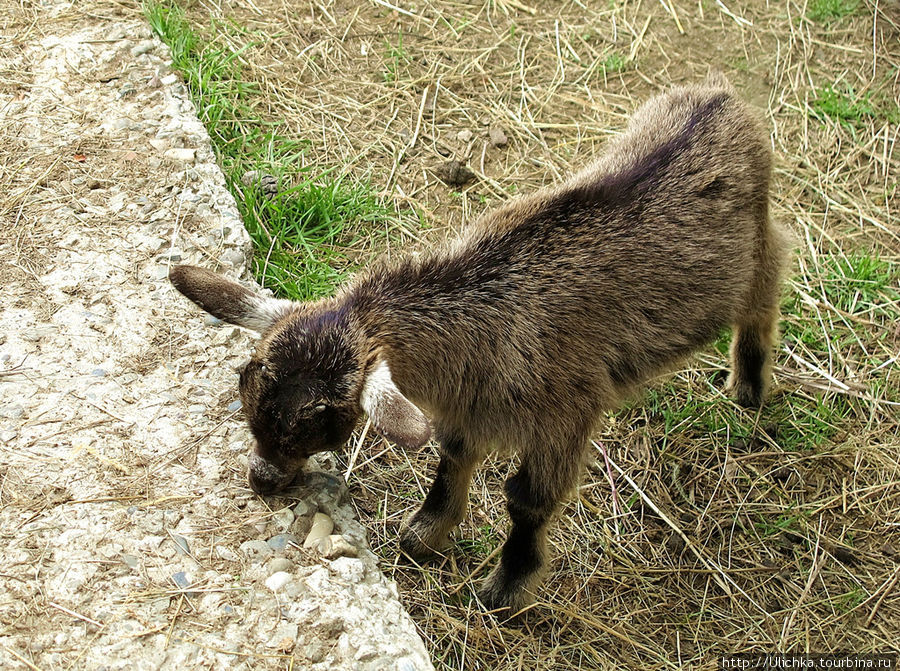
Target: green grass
{"x":850,"y":109}
{"x":826,"y":11}
{"x":396,"y":59}
{"x":614,"y":62}
{"x":297,"y":235}
{"x":860,"y":283}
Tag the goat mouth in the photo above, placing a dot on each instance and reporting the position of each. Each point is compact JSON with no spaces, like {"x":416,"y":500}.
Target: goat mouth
{"x":267,"y":478}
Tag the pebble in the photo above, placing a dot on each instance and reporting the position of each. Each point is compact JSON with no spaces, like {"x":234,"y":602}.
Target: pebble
{"x":305,"y":508}
{"x":98,"y":372}
{"x":465,"y":135}
{"x":283,"y":519}
{"x":497,"y":136}
{"x":322,"y":527}
{"x":181,"y":580}
{"x":280,"y":542}
{"x":278,"y":580}
{"x":332,"y":486}
{"x":348,"y":569}
{"x":131,"y":561}
{"x":209,"y":320}
{"x":142,"y":48}
{"x":7,"y":436}
{"x":174,"y":255}
{"x":159,"y":144}
{"x":234,"y":406}
{"x":268,"y":184}
{"x":279,"y":564}
{"x":234,"y":258}
{"x":256,"y":550}
{"x":226,"y":553}
{"x":338,"y":546}
{"x":182,"y":154}
{"x":13,"y":412}
{"x":181,"y":544}
{"x":454,"y":173}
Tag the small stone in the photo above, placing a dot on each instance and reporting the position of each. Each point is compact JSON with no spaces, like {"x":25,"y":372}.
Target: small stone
{"x":159,"y":144}
{"x":173,"y":255}
{"x":278,"y":580}
{"x":181,"y":154}
{"x":256,"y":550}
{"x":280,"y":542}
{"x":314,"y":652}
{"x":348,"y":569}
{"x":234,"y":406}
{"x":131,"y":561}
{"x":127,"y":90}
{"x":268,"y":184}
{"x":331,"y":486}
{"x":322,"y":527}
{"x":7,"y":436}
{"x":283,"y":519}
{"x":305,"y":508}
{"x":181,"y":544}
{"x":454,"y":173}
{"x":234,"y":258}
{"x":98,"y":372}
{"x":142,"y":48}
{"x":338,"y":546}
{"x":497,"y":136}
{"x":181,"y":580}
{"x":465,"y":135}
{"x":14,"y":412}
{"x":226,"y":553}
{"x":845,"y":555}
{"x":279,"y":564}
{"x":890,"y":550}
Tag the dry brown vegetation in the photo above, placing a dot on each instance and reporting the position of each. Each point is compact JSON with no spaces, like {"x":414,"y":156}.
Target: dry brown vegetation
{"x":728,"y":531}
{"x":732,"y":531}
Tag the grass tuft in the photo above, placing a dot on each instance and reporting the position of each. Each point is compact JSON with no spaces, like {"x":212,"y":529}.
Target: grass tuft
{"x":850,"y":109}
{"x":296,"y":234}
{"x":827,"y":11}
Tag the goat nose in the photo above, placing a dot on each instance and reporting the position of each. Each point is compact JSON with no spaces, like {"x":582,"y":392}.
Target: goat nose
{"x":265,"y":477}
{"x":259,"y":485}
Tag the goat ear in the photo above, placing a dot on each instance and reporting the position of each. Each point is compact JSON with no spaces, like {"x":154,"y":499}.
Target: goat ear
{"x":392,"y":414}
{"x":228,"y":300}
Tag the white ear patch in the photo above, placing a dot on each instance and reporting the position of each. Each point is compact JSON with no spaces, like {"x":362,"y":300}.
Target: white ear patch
{"x":261,"y":312}
{"x":392,"y":414}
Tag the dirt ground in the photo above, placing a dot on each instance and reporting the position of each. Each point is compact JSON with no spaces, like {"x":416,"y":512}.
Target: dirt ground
{"x":792,"y":516}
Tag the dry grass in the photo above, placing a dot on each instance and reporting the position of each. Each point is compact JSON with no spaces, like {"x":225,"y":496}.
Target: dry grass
{"x":732,"y":532}
{"x":727,"y":531}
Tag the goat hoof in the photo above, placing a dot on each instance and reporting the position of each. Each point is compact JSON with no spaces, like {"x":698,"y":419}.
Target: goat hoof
{"x":498,"y":594}
{"x":745,"y":394}
{"x":414,"y":546}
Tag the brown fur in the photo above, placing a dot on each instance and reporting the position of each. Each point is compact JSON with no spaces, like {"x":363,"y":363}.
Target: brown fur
{"x":545,"y":313}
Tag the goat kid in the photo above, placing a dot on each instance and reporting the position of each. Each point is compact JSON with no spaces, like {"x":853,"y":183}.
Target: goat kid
{"x":541,"y":316}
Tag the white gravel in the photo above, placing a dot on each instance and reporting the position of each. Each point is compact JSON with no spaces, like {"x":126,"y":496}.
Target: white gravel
{"x":130,"y":539}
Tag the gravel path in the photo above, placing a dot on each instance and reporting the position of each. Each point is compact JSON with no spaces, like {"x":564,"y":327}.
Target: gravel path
{"x":129,"y":536}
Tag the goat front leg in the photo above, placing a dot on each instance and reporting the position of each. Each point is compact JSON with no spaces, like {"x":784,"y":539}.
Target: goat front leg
{"x":428,"y":531}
